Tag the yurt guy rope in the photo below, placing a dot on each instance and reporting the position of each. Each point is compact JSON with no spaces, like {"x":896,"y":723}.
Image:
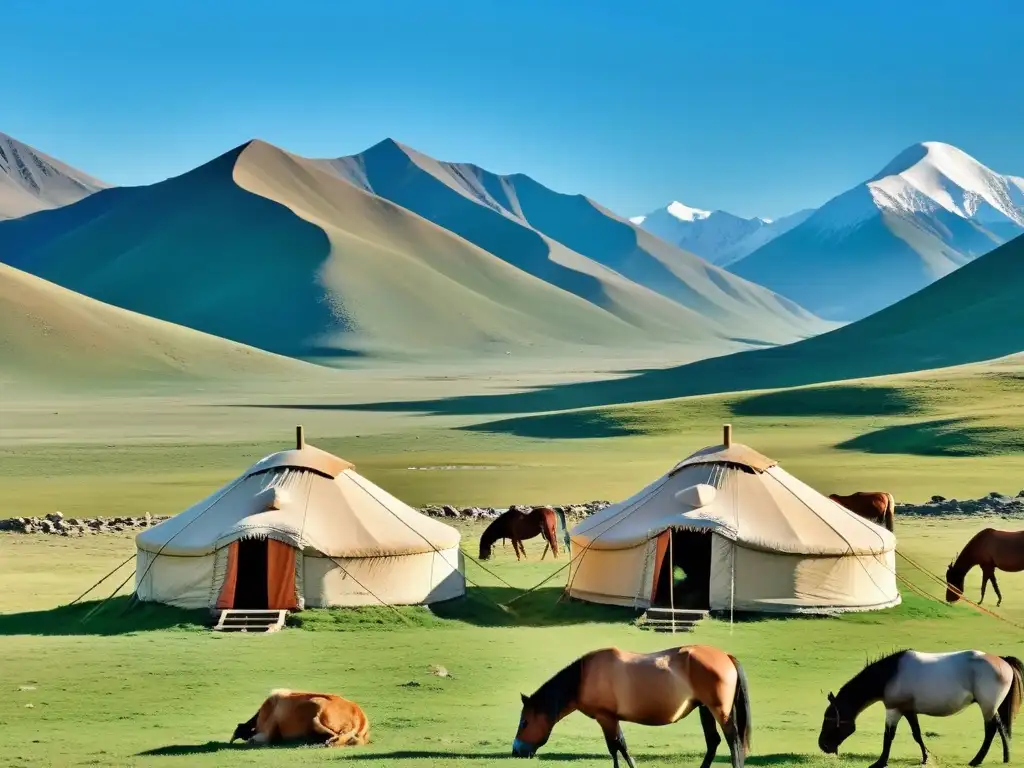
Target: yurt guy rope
{"x":439,"y":552}
{"x":152,"y":562}
{"x":111,"y":573}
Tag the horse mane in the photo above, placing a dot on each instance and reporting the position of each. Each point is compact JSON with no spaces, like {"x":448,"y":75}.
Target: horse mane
{"x":863,"y":687}
{"x":554,"y":696}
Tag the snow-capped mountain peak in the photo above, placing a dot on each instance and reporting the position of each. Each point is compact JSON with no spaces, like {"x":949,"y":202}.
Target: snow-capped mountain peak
{"x":717,"y":236}
{"x":686,"y":213}
{"x":927,"y":179}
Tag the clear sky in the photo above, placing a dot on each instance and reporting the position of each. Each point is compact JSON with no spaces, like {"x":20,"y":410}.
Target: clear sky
{"x":760,"y":107}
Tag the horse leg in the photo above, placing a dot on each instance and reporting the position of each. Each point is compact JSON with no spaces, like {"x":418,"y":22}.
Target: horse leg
{"x":915,"y":730}
{"x":991,"y":728}
{"x":985,"y":576}
{"x":615,"y":741}
{"x":1004,"y":737}
{"x":995,"y":586}
{"x":892,"y":719}
{"x":711,"y":737}
{"x":733,"y":737}
{"x":545,"y":552}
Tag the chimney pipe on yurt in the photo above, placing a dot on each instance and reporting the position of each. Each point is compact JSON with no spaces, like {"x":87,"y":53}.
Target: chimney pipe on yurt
{"x":300,"y":440}
{"x":727,"y":435}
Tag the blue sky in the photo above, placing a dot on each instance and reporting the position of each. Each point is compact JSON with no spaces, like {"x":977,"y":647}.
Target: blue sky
{"x":755,"y":106}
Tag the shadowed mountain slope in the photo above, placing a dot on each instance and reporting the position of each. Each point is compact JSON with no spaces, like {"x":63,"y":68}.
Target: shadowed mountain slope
{"x":576,"y":244}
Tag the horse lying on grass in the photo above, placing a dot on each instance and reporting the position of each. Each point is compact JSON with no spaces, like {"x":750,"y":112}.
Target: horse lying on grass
{"x":310,"y":718}
{"x":910,"y":683}
{"x":660,"y":688}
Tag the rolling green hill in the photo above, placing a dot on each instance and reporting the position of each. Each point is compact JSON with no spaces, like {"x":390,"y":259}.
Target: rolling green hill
{"x":58,"y":338}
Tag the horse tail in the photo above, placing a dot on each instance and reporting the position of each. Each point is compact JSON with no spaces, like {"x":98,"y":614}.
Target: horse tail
{"x":741,"y":706}
{"x":1010,"y":705}
{"x":890,"y":513}
{"x":550,"y":528}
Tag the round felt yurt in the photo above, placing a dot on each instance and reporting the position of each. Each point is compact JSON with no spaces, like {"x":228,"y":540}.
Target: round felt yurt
{"x":746,"y":535}
{"x":299,"y":529}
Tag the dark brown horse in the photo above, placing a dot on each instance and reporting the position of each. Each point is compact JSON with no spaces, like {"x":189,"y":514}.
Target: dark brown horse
{"x":613,"y":686}
{"x":877,"y":506}
{"x":518,"y":526}
{"x":990,"y":549}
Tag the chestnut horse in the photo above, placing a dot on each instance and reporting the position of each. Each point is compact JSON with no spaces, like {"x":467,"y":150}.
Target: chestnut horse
{"x":660,"y":688}
{"x":990,"y":549}
{"x":910,"y":683}
{"x":517,"y":526}
{"x":312,"y":718}
{"x":877,"y":506}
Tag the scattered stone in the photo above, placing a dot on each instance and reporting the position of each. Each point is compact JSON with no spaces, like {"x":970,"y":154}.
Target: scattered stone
{"x":938,"y":498}
{"x":439,"y":671}
{"x":449,"y":511}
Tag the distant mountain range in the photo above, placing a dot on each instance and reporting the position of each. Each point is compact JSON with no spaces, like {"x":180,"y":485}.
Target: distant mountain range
{"x":932,"y":209}
{"x":31,"y":181}
{"x":717,"y":236}
{"x":391,"y":252}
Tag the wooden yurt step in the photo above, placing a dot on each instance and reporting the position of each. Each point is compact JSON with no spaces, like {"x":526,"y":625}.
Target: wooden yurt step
{"x":249,"y":620}
{"x":669,"y":620}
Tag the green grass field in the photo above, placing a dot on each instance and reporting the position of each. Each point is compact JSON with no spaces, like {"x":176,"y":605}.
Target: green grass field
{"x":151,"y":687}
{"x":148,"y":687}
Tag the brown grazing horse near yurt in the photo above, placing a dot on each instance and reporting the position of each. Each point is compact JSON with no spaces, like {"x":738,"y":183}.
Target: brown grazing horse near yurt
{"x":877,"y":506}
{"x":613,"y":686}
{"x":516,"y":525}
{"x":310,"y":718}
{"x":989,"y":549}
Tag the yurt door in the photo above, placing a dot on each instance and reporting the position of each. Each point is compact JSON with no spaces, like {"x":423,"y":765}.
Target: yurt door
{"x":251,"y":580}
{"x":684,"y":577}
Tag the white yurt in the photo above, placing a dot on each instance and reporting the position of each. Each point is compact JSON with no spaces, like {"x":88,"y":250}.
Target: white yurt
{"x":299,"y":529}
{"x":748,"y":535}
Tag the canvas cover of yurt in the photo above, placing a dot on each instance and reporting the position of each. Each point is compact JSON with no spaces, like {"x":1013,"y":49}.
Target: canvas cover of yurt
{"x":748,"y":536}
{"x":299,"y":529}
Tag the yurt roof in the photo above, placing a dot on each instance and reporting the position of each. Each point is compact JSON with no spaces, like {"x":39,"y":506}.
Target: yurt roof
{"x":735,"y":492}
{"x":309,"y":499}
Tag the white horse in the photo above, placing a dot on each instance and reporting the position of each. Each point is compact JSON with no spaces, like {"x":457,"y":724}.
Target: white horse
{"x":910,"y":683}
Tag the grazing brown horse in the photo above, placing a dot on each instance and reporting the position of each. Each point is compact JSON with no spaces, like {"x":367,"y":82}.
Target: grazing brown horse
{"x":660,"y":688}
{"x":990,"y":549}
{"x":312,"y":718}
{"x":877,"y":506}
{"x":517,"y":526}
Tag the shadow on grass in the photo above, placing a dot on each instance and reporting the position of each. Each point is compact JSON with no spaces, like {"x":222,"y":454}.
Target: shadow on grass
{"x":118,"y":617}
{"x":481,"y":607}
{"x":213,"y":747}
{"x":941,"y":437}
{"x":831,"y":401}
{"x":786,"y":758}
{"x":562,"y":425}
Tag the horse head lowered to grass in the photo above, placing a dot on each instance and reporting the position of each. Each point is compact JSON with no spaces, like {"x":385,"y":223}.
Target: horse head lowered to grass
{"x":990,"y":549}
{"x":910,"y":683}
{"x":516,"y":525}
{"x":613,"y":686}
